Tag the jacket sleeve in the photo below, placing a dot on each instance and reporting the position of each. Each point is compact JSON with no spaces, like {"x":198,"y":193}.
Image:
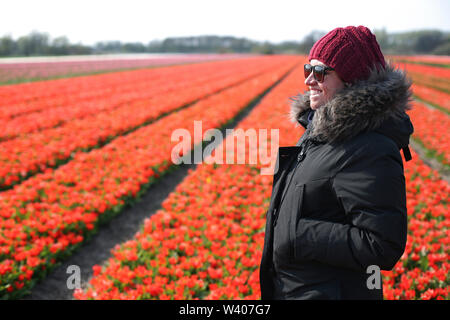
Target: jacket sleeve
{"x":371,"y":189}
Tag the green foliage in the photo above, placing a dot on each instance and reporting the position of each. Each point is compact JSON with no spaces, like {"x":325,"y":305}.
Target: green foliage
{"x":309,"y":40}
{"x":414,"y":42}
{"x":37,"y":43}
{"x":443,"y":48}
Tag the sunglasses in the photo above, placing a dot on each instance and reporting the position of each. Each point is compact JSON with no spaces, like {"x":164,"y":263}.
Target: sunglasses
{"x":319,"y":72}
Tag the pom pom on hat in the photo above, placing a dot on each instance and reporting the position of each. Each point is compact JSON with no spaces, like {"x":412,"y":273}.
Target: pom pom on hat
{"x":352,"y":51}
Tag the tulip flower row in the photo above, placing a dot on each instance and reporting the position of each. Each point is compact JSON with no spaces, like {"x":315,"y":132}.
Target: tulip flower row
{"x":433,"y":77}
{"x":86,"y":92}
{"x":425,"y":60}
{"x":30,"y":153}
{"x":49,"y":91}
{"x":44,"y":219}
{"x":431,"y":131}
{"x":206,"y":241}
{"x":436,"y":98}
{"x":436,"y":72}
{"x":43,"y":95}
{"x":130,"y":93}
{"x":24,"y":70}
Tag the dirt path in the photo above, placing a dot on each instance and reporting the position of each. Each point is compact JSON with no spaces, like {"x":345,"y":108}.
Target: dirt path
{"x":120,"y":229}
{"x":432,"y":163}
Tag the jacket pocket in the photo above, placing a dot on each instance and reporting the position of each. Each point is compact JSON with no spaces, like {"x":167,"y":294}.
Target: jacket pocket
{"x":294,"y":219}
{"x":319,"y":197}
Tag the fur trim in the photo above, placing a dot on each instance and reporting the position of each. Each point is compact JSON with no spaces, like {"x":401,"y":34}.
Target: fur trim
{"x":361,"y":107}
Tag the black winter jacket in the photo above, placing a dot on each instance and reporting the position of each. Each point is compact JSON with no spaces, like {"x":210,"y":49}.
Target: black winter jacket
{"x":343,"y":206}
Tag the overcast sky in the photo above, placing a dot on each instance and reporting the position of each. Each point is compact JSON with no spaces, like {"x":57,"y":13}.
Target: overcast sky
{"x":89,"y":21}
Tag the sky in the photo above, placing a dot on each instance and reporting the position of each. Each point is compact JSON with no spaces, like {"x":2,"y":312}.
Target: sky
{"x":90,"y":21}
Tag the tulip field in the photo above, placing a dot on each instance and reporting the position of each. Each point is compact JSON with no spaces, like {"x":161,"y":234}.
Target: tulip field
{"x":16,"y":70}
{"x":76,"y":151}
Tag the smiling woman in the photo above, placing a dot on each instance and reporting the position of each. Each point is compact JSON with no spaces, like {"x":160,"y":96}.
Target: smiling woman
{"x":338,"y":205}
{"x":323,"y":90}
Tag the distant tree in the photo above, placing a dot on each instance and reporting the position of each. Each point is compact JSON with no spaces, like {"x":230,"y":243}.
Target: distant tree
{"x":427,"y":41}
{"x":108,"y":47}
{"x":135,"y":47}
{"x":60,"y":46}
{"x":8,"y":46}
{"x":265,"y":48}
{"x":444,"y":47}
{"x":309,"y":40}
{"x":291,"y":47}
{"x":383,"y":39}
{"x":154,"y":46}
{"x":79,"y":49}
{"x":413,"y":42}
{"x":35,"y":43}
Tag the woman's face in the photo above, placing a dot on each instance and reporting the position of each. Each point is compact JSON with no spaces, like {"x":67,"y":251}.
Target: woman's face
{"x":321,"y":93}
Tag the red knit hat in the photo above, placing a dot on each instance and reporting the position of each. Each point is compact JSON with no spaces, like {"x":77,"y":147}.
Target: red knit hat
{"x":351,"y":51}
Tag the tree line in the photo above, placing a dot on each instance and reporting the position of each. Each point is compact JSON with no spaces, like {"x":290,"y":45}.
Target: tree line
{"x":41,"y":44}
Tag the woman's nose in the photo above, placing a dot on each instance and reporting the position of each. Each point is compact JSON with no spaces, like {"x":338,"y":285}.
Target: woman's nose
{"x":310,"y":80}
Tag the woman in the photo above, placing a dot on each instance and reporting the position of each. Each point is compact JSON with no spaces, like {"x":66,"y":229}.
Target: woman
{"x":338,"y":206}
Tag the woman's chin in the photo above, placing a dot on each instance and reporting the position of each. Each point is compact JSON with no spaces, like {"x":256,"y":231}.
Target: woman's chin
{"x":315,"y":106}
{"x":315,"y":102}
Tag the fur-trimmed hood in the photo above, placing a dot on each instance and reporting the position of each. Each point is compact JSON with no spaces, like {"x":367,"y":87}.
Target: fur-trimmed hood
{"x":376,"y":104}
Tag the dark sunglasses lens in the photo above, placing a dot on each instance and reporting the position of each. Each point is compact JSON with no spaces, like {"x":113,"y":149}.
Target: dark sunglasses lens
{"x":307,"y":70}
{"x":319,"y":73}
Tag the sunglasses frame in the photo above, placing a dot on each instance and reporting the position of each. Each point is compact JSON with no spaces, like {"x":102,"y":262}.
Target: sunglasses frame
{"x":316,"y":72}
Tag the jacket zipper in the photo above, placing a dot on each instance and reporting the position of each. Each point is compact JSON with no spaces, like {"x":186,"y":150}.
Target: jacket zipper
{"x":300,"y":158}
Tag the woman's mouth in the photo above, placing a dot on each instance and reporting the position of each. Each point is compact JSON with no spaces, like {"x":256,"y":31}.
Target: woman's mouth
{"x":315,"y":92}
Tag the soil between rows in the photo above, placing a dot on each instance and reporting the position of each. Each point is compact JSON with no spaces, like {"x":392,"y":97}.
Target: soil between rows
{"x":122,"y":228}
